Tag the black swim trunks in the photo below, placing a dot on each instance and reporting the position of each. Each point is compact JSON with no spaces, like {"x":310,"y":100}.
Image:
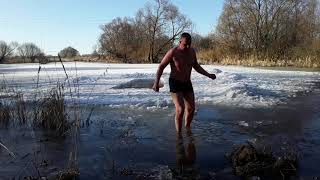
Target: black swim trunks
{"x":180,"y":86}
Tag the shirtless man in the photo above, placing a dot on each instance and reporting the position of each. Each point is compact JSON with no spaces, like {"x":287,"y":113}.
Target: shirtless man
{"x":182,"y":59}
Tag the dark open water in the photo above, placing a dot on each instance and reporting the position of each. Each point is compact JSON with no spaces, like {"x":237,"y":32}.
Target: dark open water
{"x":124,"y":143}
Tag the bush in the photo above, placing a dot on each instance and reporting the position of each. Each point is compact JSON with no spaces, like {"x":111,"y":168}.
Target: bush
{"x":69,"y":52}
{"x":52,"y":113}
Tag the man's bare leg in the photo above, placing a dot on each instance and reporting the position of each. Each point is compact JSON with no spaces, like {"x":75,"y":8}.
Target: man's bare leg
{"x":180,"y":152}
{"x":191,"y":149}
{"x":189,"y":108}
{"x":179,"y":105}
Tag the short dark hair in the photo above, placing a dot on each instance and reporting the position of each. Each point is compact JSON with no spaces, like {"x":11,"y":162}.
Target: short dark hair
{"x":186,"y":35}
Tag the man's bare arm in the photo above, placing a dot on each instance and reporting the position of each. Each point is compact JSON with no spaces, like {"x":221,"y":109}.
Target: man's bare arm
{"x":165,"y":61}
{"x":199,"y":69}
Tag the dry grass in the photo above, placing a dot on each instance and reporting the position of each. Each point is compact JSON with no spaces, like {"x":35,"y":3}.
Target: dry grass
{"x":13,"y":109}
{"x":212,"y":56}
{"x":68,"y":175}
{"x":253,"y":61}
{"x":52,"y":112}
{"x":216,"y":57}
{"x":46,"y":111}
{"x":21,"y":110}
{"x":5,"y":115}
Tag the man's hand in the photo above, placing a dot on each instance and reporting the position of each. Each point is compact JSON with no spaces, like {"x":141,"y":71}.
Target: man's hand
{"x":212,"y":76}
{"x":155,"y":87}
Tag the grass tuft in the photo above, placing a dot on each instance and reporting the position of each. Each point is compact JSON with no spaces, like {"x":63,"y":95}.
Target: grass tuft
{"x":5,"y":115}
{"x":52,"y":112}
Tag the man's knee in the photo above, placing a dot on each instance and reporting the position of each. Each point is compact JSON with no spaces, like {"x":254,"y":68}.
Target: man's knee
{"x":190,"y":110}
{"x":180,"y":110}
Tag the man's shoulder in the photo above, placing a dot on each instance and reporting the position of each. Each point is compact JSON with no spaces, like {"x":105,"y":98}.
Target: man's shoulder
{"x":172,"y":50}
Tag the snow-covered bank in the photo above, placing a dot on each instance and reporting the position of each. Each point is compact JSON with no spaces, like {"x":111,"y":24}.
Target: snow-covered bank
{"x":239,"y":86}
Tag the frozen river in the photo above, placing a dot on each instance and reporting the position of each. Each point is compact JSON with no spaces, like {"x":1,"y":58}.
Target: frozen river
{"x":134,"y":129}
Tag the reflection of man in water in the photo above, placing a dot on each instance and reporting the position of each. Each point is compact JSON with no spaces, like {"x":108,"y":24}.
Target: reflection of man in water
{"x":182,"y":59}
{"x":185,"y":157}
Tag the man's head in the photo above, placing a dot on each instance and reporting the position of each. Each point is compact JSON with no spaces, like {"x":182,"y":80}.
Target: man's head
{"x":185,"y":40}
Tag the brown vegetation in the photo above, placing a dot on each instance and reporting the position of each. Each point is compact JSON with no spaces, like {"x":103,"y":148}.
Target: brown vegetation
{"x":5,"y":115}
{"x":252,"y":33}
{"x":249,"y":32}
{"x":46,"y":112}
{"x":266,"y":33}
{"x":248,"y":161}
{"x":147,"y":36}
{"x":53,"y":115}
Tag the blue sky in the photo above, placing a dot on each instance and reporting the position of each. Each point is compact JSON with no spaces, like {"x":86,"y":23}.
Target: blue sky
{"x":56,"y":24}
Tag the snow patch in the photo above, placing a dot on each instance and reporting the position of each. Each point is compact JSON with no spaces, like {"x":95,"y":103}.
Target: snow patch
{"x":128,"y":84}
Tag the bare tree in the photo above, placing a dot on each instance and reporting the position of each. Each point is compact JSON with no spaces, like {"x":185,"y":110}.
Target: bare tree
{"x":163,"y":22}
{"x":118,"y":38}
{"x":29,"y":51}
{"x":147,"y":36}
{"x":267,"y":27}
{"x":7,"y":50}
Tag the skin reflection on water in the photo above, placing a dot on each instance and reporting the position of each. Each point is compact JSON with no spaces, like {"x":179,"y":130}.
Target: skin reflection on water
{"x":185,"y":155}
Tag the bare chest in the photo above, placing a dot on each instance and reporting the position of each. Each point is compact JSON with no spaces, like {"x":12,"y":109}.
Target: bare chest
{"x":183,"y":60}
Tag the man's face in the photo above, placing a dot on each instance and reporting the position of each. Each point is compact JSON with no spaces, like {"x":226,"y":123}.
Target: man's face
{"x":185,"y":43}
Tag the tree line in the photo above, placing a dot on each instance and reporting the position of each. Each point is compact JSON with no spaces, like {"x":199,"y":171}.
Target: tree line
{"x":29,"y":52}
{"x":255,"y":32}
{"x":265,"y":30}
{"x":145,"y":37}
{"x":269,"y":29}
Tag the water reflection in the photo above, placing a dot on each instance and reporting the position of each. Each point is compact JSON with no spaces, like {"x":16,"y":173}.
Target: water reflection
{"x":185,"y":155}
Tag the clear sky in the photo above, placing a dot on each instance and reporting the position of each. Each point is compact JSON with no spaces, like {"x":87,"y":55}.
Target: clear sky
{"x":56,"y":24}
